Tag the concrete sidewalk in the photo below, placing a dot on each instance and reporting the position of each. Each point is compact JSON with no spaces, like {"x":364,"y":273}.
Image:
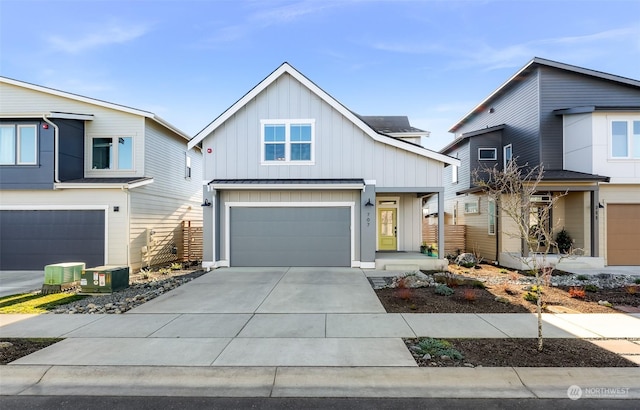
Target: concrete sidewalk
{"x":292,"y":332}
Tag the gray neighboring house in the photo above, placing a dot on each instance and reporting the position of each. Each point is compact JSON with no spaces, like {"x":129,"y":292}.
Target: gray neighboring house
{"x":294,"y":178}
{"x":584,"y":127}
{"x":84,"y":180}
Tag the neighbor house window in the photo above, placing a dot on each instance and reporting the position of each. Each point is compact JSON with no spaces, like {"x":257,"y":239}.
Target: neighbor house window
{"x":471,"y":207}
{"x":491,"y":215}
{"x":625,"y":139}
{"x":507,"y":154}
{"x":287,"y":141}
{"x":187,"y":166}
{"x":487,"y":154}
{"x":18,"y":144}
{"x":115,"y":153}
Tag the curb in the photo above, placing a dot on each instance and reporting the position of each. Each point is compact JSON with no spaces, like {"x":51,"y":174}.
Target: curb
{"x":366,"y":382}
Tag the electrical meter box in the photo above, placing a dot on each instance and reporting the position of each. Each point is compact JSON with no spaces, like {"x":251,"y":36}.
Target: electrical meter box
{"x":104,"y":279}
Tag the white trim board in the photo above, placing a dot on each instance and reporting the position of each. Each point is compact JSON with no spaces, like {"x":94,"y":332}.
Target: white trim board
{"x":229,"y":205}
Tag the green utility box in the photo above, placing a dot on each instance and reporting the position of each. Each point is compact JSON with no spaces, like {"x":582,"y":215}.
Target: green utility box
{"x":60,"y":273}
{"x":104,"y":279}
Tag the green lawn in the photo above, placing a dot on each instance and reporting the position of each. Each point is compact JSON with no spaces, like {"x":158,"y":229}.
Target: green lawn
{"x":34,"y":303}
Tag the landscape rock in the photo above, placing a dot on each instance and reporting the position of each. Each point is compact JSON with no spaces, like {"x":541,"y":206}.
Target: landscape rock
{"x":467,"y":260}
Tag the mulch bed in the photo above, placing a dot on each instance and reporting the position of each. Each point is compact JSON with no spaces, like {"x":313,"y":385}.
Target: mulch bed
{"x":524,"y":353}
{"x":13,"y":349}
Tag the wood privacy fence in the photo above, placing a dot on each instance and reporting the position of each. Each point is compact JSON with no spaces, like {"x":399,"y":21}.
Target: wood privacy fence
{"x":191,"y":241}
{"x":454,"y":237}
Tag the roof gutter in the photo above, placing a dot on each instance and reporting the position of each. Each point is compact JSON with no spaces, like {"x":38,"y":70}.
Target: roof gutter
{"x":56,"y":134}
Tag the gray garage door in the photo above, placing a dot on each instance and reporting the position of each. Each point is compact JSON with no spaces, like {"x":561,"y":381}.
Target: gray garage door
{"x":290,"y":236}
{"x":29,"y":240}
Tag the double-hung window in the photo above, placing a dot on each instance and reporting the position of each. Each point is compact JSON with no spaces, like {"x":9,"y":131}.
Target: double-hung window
{"x":18,"y":144}
{"x":287,"y":141}
{"x":114,"y":153}
{"x":625,"y":139}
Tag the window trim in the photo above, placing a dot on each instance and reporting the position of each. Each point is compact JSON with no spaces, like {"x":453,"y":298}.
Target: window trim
{"x":115,"y":153}
{"x":505,"y":161}
{"x":629,"y":138}
{"x":472,"y":211}
{"x":495,"y":154}
{"x":17,"y":149}
{"x":187,"y":166}
{"x":491,"y":217}
{"x":287,"y":142}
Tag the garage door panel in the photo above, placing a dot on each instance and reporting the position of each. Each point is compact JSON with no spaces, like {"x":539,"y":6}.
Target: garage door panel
{"x":32,"y":239}
{"x":314,"y":236}
{"x":623,"y":234}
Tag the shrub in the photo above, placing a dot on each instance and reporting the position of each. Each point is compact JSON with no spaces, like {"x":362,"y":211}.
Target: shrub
{"x":176,"y":266}
{"x":438,"y":348}
{"x":637,"y":281}
{"x":591,"y":288}
{"x":576,"y":292}
{"x":402,"y":283}
{"x":504,"y":271}
{"x":564,"y":241}
{"x":404,"y":293}
{"x":582,"y":277}
{"x":631,"y":289}
{"x":444,"y":290}
{"x":470,"y":295}
{"x":530,"y":297}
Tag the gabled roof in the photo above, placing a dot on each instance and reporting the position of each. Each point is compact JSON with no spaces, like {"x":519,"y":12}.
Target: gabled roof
{"x":537,"y":61}
{"x":392,"y":125}
{"x":94,"y":101}
{"x":467,"y":135}
{"x":285,"y":68}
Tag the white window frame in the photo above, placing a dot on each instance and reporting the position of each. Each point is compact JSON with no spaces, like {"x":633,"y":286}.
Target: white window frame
{"x":469,"y":209}
{"x":495,"y":154}
{"x":187,"y":166}
{"x":287,"y":142}
{"x":506,"y":160}
{"x":630,"y":137}
{"x":491,"y":217}
{"x":115,"y":146}
{"x":17,"y":149}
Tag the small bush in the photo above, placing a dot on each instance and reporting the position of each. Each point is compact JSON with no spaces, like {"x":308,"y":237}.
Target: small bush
{"x":530,"y":297}
{"x":576,"y":292}
{"x":438,"y":348}
{"x":631,"y":289}
{"x":444,"y":290}
{"x":637,"y":281}
{"x":404,"y":293}
{"x":470,"y":295}
{"x":479,"y":285}
{"x":176,"y":266}
{"x":582,"y":277}
{"x":504,"y":271}
{"x":591,"y":288}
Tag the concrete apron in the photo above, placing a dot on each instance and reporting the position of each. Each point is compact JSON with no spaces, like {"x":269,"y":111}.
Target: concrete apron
{"x":230,"y":317}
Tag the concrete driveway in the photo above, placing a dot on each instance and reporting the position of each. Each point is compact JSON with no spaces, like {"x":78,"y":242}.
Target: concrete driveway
{"x":13,"y":281}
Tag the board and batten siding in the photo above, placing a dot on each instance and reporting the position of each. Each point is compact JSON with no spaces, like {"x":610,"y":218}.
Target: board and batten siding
{"x":106,"y":122}
{"x":342,"y":150}
{"x":290,"y":198}
{"x":171,"y":199}
{"x":116,"y":222}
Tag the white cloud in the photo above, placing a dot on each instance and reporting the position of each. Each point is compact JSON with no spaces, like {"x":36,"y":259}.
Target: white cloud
{"x":101,"y":36}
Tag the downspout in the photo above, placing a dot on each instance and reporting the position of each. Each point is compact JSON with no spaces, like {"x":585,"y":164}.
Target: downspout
{"x":128,"y":216}
{"x":56,"y":133}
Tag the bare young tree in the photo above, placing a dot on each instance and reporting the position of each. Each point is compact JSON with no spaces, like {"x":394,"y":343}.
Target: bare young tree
{"x":512,"y":189}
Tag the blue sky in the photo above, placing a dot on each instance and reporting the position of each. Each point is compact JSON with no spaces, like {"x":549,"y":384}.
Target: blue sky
{"x":188,"y":61}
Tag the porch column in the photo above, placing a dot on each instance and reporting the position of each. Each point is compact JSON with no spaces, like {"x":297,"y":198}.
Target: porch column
{"x":368,"y":227}
{"x":441,"y":251}
{"x":595,"y":223}
{"x":209,"y":227}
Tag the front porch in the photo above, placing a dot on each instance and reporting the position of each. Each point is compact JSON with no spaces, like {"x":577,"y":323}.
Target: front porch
{"x":561,"y":262}
{"x":408,"y":261}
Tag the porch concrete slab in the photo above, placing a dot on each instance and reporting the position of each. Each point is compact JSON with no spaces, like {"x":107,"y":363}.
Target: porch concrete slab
{"x":399,"y":382}
{"x":619,"y":346}
{"x":315,"y":352}
{"x":151,"y":381}
{"x":15,"y":379}
{"x":608,"y":325}
{"x":554,"y":382}
{"x":111,"y":326}
{"x":45,"y":325}
{"x":451,"y":325}
{"x":368,"y":325}
{"x":204,"y":325}
{"x":128,"y":352}
{"x":523,"y":325}
{"x":285,"y":325}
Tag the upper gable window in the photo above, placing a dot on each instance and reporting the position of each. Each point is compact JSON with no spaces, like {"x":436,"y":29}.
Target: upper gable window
{"x":487,"y":154}
{"x":287,"y":141}
{"x":625,"y":139}
{"x":18,"y":144}
{"x":114,"y":153}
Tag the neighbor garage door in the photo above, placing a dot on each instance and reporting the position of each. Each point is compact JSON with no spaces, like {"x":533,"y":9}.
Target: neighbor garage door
{"x":29,"y":240}
{"x":623,"y":234}
{"x":318,"y":236}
